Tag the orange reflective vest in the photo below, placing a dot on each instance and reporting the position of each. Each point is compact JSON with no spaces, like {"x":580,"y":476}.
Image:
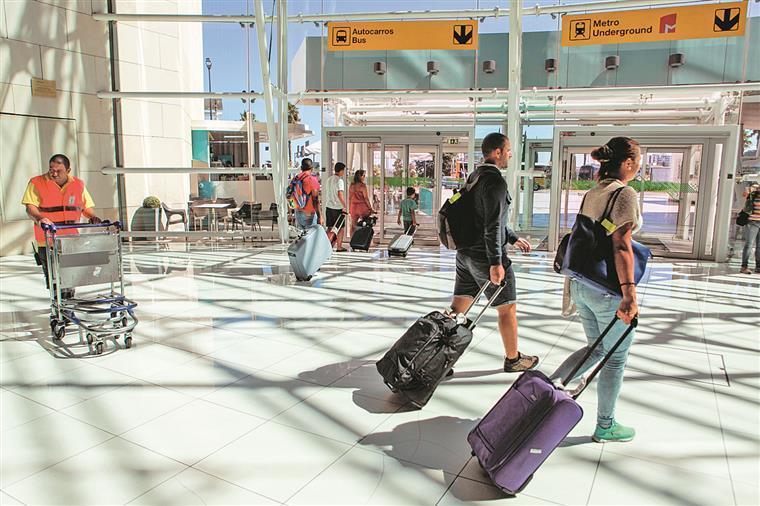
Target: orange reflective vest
{"x":62,"y":206}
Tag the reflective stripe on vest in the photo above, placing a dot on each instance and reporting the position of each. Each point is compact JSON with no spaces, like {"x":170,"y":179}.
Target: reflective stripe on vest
{"x":59,"y":205}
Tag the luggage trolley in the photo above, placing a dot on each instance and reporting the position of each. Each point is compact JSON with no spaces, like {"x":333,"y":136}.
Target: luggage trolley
{"x":76,"y":260}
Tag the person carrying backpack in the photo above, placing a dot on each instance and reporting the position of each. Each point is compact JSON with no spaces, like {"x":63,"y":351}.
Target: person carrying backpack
{"x":303,"y":196}
{"x":487,"y":258}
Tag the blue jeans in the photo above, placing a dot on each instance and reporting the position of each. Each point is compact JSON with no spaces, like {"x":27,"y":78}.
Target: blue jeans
{"x":305,"y":220}
{"x":596,"y":311}
{"x":751,"y":238}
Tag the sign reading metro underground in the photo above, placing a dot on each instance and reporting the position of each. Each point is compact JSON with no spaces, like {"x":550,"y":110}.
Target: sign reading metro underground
{"x":400,"y":35}
{"x":650,"y":25}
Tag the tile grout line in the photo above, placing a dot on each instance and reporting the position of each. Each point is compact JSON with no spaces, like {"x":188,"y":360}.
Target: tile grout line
{"x":700,"y":302}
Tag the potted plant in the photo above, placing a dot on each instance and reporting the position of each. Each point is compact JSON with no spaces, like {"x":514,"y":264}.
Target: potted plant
{"x":147,"y":218}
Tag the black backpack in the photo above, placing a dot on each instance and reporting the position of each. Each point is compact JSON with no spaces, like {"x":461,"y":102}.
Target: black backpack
{"x":455,"y":226}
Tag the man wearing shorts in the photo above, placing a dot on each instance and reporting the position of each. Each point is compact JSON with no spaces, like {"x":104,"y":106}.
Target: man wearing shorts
{"x":487,"y":259}
{"x":335,"y":203}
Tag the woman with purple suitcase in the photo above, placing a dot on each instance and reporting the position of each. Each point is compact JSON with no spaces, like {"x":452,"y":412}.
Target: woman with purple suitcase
{"x":620,"y":162}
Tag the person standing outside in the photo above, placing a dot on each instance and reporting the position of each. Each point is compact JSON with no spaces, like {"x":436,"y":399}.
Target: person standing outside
{"x":487,"y":259}
{"x":56,"y":198}
{"x":306,"y":188}
{"x":335,"y":203}
{"x":620,"y":162}
{"x":407,"y":211}
{"x":752,"y":228}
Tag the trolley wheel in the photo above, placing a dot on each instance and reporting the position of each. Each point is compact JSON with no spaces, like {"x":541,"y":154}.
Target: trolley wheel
{"x":124,"y":322}
{"x":89,"y":338}
{"x":99,"y":347}
{"x":128,"y":342}
{"x":53,"y":324}
{"x":59,"y":331}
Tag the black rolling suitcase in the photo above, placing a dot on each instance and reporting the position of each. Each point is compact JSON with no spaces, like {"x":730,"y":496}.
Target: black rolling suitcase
{"x":362,"y":236}
{"x":418,"y":362}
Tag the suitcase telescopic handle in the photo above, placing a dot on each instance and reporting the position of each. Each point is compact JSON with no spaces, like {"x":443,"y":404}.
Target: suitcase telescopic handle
{"x":483,"y":288}
{"x":591,"y":349}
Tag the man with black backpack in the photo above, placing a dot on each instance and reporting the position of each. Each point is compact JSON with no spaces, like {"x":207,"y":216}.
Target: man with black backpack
{"x":485,"y":259}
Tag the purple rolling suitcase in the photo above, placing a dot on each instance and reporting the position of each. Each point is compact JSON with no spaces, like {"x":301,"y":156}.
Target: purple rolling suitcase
{"x":529,"y":422}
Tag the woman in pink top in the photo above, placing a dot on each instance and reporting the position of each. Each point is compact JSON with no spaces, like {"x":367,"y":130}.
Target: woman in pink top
{"x":358,"y":198}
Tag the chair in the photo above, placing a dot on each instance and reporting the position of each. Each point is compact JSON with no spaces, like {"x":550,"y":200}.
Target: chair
{"x":170,"y":213}
{"x":256,"y":215}
{"x":273,"y":212}
{"x":199,"y":215}
{"x":245,"y":215}
{"x":224,"y":214}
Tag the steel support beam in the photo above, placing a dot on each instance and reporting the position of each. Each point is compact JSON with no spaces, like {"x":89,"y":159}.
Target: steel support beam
{"x":281,"y":180}
{"x":272,"y":131}
{"x":514,"y":126}
{"x":495,"y":12}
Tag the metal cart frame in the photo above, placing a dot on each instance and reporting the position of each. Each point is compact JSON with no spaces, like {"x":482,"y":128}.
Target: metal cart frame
{"x":76,"y":260}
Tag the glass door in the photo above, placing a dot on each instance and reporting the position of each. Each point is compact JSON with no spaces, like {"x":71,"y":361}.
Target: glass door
{"x":424,"y":177}
{"x":579,"y":172}
{"x":532,"y":199}
{"x":668,"y":189}
{"x":394,"y":179}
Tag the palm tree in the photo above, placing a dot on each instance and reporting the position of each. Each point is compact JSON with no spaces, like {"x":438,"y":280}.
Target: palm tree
{"x":294,"y":115}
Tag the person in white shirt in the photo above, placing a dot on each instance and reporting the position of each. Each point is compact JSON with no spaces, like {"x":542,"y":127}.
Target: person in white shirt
{"x":335,"y":203}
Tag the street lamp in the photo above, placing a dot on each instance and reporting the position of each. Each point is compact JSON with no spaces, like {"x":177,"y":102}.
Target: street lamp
{"x":208,"y":66}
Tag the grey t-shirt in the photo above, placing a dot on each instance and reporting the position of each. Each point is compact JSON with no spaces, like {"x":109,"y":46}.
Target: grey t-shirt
{"x":626,"y":208}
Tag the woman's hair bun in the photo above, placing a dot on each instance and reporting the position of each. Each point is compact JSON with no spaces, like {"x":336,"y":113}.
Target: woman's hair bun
{"x":602,"y":154}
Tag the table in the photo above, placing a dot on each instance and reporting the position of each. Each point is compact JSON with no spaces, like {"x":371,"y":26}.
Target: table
{"x":213,"y":225}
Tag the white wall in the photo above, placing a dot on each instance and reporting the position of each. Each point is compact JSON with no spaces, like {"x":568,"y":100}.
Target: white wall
{"x":59,"y":40}
{"x":55,"y":40}
{"x":156,"y":133}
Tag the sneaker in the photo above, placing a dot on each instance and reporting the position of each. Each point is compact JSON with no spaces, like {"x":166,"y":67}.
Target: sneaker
{"x":617,"y":433}
{"x":521,"y":363}
{"x":745,"y":270}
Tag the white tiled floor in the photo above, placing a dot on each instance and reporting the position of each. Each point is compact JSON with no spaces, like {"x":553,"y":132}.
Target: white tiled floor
{"x":244,"y":388}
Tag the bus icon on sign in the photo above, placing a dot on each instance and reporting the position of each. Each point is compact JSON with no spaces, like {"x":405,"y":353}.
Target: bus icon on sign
{"x":340,"y":36}
{"x":580,"y":29}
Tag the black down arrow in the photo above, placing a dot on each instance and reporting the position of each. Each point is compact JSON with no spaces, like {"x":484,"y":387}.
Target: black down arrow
{"x":462,"y":36}
{"x":727,"y":23}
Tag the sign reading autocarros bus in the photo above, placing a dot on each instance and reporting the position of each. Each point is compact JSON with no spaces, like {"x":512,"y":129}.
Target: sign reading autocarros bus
{"x":649,"y":25}
{"x":399,"y":35}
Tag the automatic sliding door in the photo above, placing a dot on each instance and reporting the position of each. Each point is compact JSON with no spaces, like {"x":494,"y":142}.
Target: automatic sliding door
{"x":423,"y":162}
{"x":668,"y":187}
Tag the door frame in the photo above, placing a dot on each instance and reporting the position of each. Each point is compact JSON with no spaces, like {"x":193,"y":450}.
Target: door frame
{"x":396,"y":136}
{"x":721,"y":140}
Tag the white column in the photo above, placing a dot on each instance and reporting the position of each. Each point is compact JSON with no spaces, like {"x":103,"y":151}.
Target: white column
{"x":279,"y":196}
{"x":282,"y":81}
{"x":514,"y":129}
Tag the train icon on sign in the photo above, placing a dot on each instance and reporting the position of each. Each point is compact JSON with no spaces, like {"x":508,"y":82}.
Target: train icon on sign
{"x":340,"y":36}
{"x":580,"y":29}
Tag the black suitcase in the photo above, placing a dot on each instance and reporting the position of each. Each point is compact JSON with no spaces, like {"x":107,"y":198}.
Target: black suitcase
{"x":362,"y":236}
{"x":418,"y":362}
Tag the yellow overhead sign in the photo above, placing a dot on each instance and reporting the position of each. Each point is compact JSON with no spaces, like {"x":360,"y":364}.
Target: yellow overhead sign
{"x":649,"y":25}
{"x":399,"y":35}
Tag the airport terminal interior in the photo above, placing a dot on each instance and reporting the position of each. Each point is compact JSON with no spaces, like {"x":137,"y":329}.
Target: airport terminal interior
{"x":194,"y":344}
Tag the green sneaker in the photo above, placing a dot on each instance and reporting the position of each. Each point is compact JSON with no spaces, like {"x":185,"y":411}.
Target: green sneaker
{"x":617,"y":433}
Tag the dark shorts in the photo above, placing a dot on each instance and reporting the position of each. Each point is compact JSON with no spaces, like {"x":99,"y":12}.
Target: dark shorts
{"x":408,"y":227}
{"x":331,"y":217}
{"x":473,"y":273}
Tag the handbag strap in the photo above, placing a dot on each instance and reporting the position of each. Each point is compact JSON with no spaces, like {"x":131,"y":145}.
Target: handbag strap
{"x":593,"y":347}
{"x":611,"y":204}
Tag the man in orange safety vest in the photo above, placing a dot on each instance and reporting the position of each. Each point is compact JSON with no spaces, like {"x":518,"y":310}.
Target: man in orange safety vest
{"x":57,"y":198}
